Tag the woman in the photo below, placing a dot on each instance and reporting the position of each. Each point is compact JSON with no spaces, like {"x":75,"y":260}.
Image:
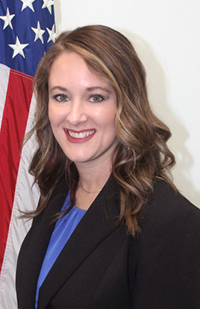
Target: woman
{"x":111,"y":230}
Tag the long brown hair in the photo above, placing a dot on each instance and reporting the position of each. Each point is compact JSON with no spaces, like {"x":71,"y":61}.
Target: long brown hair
{"x":141,"y":154}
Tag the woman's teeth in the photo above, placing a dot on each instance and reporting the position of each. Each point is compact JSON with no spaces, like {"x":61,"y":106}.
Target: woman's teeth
{"x":81,"y":134}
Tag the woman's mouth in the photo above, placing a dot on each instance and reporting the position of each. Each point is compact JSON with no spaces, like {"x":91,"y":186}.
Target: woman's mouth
{"x":79,"y":137}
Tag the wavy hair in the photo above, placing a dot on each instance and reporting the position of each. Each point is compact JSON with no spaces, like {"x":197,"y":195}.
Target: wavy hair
{"x":141,"y":154}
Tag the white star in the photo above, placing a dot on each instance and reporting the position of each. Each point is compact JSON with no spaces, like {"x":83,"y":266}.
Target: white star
{"x":38,"y":32}
{"x":27,"y":3}
{"x":18,"y":48}
{"x":52,"y":34}
{"x":47,"y":4}
{"x":7,"y":19}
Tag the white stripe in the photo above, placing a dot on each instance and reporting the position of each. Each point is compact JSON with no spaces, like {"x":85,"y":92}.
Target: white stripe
{"x":4,"y":77}
{"x":26,"y":198}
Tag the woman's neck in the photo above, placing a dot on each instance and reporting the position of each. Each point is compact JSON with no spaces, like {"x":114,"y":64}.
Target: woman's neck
{"x":91,"y":182}
{"x":93,"y":177}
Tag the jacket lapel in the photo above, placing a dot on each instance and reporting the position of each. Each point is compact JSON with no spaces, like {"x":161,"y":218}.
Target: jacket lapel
{"x":99,"y":221}
{"x":34,"y":249}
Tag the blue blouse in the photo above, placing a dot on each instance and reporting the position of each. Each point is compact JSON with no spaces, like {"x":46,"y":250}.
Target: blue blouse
{"x":63,"y":229}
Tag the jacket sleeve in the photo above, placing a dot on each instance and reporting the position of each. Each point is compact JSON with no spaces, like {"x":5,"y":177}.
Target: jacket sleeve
{"x":167,"y":273}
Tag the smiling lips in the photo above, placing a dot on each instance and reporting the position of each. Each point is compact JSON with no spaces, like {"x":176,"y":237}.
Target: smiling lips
{"x":79,"y":137}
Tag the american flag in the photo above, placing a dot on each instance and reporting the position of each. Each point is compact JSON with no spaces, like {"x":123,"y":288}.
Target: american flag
{"x":27,"y":30}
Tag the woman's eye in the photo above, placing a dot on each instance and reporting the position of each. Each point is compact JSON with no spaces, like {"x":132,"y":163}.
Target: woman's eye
{"x":61,"y":97}
{"x":96,"y":98}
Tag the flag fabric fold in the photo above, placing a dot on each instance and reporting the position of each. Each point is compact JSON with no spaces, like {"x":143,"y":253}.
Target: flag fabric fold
{"x":27,"y":31}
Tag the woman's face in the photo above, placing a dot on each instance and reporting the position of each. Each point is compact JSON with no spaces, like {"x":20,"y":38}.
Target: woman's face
{"x":82,"y":110}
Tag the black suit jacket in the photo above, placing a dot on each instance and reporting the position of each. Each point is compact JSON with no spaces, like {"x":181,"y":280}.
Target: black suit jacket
{"x":101,"y":266}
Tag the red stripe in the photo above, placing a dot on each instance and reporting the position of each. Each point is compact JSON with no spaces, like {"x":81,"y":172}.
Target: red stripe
{"x":18,"y":98}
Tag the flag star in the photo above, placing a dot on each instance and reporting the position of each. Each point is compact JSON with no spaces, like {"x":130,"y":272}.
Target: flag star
{"x":7,"y":19}
{"x":27,"y":3}
{"x":38,"y":32}
{"x":52,"y":34}
{"x":18,"y":48}
{"x":47,"y":4}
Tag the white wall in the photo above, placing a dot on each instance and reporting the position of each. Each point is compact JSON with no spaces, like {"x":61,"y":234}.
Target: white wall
{"x":166,"y":35}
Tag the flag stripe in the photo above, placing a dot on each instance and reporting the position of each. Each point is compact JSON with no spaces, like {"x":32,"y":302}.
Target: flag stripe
{"x":4,"y":76}
{"x":19,"y":227}
{"x":13,"y":127}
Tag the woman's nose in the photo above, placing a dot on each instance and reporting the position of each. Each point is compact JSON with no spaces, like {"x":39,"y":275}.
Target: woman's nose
{"x":77,"y":112}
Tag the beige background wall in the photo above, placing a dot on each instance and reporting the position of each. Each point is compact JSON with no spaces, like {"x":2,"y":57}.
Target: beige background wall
{"x":166,"y":35}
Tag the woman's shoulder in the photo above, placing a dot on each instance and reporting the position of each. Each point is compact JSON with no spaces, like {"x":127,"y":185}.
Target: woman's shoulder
{"x":169,"y":207}
{"x":167,"y":252}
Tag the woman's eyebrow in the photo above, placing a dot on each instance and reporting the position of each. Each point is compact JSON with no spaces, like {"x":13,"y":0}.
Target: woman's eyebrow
{"x":97,"y":88}
{"x":58,"y":88}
